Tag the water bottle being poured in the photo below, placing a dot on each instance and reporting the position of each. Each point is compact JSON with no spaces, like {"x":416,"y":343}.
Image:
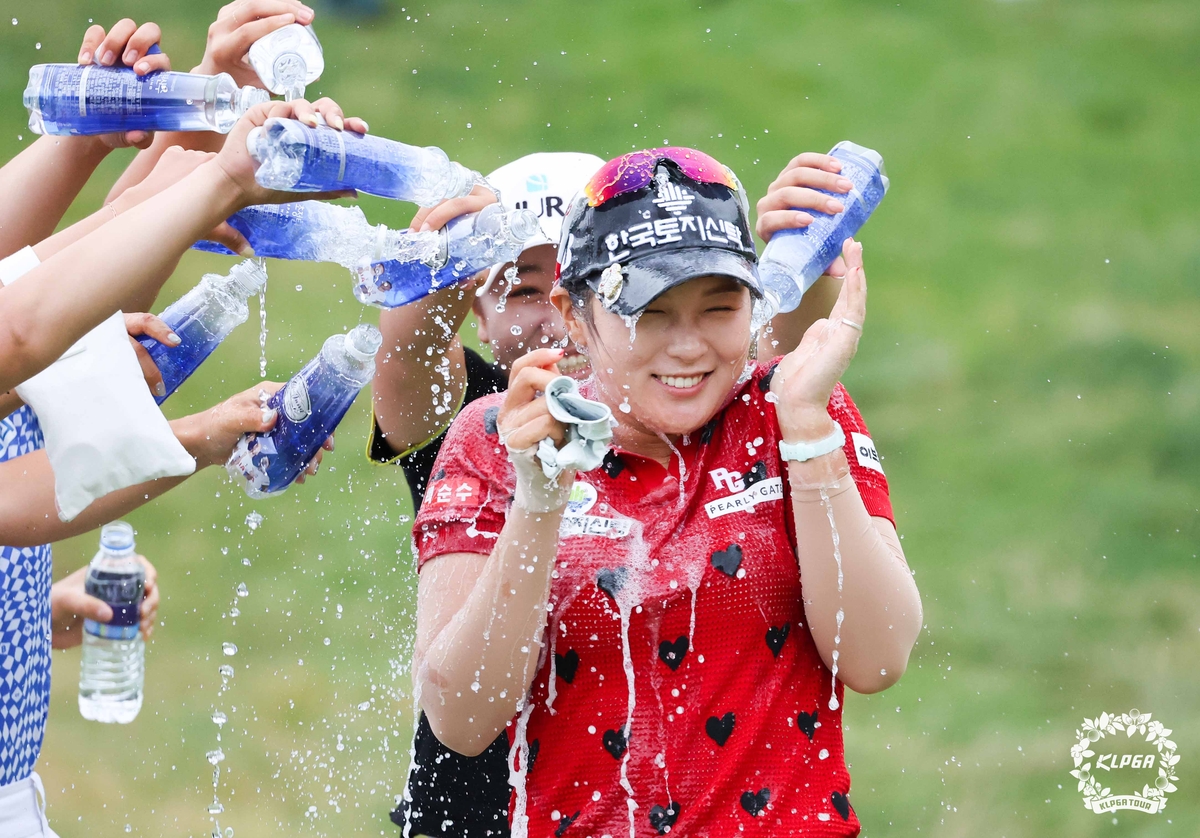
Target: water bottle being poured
{"x":428,"y":261}
{"x":69,"y":99}
{"x":292,"y":157}
{"x":310,"y":406}
{"x":112,"y":669}
{"x":314,"y":231}
{"x":288,"y":60}
{"x":203,"y":317}
{"x":794,"y":259}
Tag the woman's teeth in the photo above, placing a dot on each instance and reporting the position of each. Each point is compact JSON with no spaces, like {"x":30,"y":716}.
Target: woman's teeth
{"x":679,"y":381}
{"x":572,"y":363}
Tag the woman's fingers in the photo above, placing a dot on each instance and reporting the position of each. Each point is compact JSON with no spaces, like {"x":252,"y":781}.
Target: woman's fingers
{"x":815,"y":160}
{"x":437,"y":217}
{"x":92,"y":39}
{"x":357,"y":124}
{"x":143,"y":323}
{"x":531,"y":433}
{"x":799,"y":197}
{"x":111,"y":49}
{"x":150,"y":372}
{"x":530,"y":374}
{"x":146,"y":36}
{"x":224,"y":234}
{"x":252,"y":30}
{"x":770,"y":223}
{"x":331,"y":112}
{"x":813,"y":178}
{"x":152,"y":63}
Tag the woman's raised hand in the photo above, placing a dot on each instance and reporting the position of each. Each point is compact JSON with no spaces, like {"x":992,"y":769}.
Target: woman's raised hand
{"x":793,"y":197}
{"x":524,"y":418}
{"x":125,"y":44}
{"x":806,"y":376}
{"x":238,"y":26}
{"x":237,"y":165}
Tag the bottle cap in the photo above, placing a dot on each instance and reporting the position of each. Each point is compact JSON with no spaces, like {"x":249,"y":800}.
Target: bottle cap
{"x":363,"y":341}
{"x":117,"y":536}
{"x":248,"y":97}
{"x":523,"y":225}
{"x":247,"y":278}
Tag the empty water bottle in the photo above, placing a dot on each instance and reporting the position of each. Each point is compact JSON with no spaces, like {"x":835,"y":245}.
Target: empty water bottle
{"x":288,"y":60}
{"x":310,"y":406}
{"x":314,"y":231}
{"x":203,"y":317}
{"x":112,"y":670}
{"x":292,"y":157}
{"x":428,"y":261}
{"x":74,"y":99}
{"x":794,"y":259}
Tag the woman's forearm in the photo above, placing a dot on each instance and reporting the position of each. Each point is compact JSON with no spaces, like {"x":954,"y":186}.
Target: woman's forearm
{"x":41,"y":183}
{"x":129,"y":258}
{"x":878,"y":598}
{"x":470,"y":690}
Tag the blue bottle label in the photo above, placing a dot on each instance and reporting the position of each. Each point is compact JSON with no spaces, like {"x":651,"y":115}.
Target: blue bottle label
{"x":297,"y":405}
{"x":123,"y":593}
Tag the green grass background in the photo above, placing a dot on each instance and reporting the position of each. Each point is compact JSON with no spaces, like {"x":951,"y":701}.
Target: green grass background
{"x":1030,"y":371}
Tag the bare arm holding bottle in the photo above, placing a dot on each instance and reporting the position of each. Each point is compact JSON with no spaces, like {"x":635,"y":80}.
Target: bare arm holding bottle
{"x":45,"y":312}
{"x":51,"y":171}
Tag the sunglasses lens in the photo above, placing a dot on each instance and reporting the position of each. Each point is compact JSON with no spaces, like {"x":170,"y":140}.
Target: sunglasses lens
{"x":635,"y":170}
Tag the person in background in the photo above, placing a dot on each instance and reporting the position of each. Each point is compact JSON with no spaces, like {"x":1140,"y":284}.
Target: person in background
{"x":425,"y":375}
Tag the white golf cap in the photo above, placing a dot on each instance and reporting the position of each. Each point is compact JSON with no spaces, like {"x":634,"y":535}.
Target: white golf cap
{"x":543,"y":183}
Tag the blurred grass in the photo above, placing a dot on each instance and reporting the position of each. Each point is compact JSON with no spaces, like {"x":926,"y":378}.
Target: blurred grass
{"x":1031,"y":373}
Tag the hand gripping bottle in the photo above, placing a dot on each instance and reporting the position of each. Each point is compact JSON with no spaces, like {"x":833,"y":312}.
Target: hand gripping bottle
{"x":794,"y":259}
{"x":288,"y":60}
{"x":112,"y":669}
{"x":72,"y":99}
{"x":203,"y":317}
{"x":310,"y":406}
{"x":314,"y":231}
{"x":421,"y":263}
{"x":292,"y":157}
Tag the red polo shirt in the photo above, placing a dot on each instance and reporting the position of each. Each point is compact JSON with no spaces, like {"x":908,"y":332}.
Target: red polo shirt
{"x":680,"y":689}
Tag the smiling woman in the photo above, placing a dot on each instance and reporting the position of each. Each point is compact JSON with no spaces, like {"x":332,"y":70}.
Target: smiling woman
{"x":689,"y":683}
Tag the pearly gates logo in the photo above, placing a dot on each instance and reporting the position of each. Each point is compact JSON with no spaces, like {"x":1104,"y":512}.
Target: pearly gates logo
{"x":1117,"y":765}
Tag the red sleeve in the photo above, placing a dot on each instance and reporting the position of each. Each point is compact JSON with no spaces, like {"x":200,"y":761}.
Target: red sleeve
{"x":467,"y":499}
{"x":865,"y":466}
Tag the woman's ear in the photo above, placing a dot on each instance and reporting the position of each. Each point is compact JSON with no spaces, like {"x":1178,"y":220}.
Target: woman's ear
{"x":561,"y":300}
{"x":479,"y":309}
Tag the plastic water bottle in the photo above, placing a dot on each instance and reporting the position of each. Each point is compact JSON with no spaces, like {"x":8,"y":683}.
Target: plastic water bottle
{"x":73,"y":99}
{"x":114,"y":657}
{"x":310,"y":406}
{"x":433,"y":260}
{"x":288,"y":60}
{"x":313,"y":231}
{"x":794,"y":259}
{"x":292,"y":157}
{"x":203,"y":317}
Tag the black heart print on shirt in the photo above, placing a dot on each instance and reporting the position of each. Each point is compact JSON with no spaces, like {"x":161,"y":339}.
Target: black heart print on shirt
{"x":720,"y":728}
{"x":672,"y":654}
{"x":564,"y":822}
{"x":841,"y":803}
{"x":775,"y":637}
{"x":615,"y":742}
{"x":612,"y":579}
{"x":728,"y":560}
{"x":755,"y":803}
{"x":566,"y":665}
{"x":807,"y":722}
{"x":662,"y":819}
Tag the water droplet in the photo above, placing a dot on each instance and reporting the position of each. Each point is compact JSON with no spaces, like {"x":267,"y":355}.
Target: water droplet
{"x":299,"y":287}
{"x":516,"y":330}
{"x":225,"y":670}
{"x":215,"y":808}
{"x":14,"y":21}
{"x":242,"y":590}
{"x":366,"y":705}
{"x":246,"y":562}
{"x":38,"y":45}
{"x":229,"y":649}
{"x":235,"y":612}
{"x":219,"y":718}
{"x":254,"y":519}
{"x":229,"y":832}
{"x":624,"y":406}
{"x":128,"y":827}
{"x":327,"y":641}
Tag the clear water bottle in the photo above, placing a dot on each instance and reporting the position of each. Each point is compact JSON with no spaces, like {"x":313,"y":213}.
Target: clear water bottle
{"x":292,"y":157}
{"x":203,"y":317}
{"x":288,"y":60}
{"x":310,"y":406}
{"x":794,"y":259}
{"x":421,"y":263}
{"x":314,"y":231}
{"x":114,"y":657}
{"x":72,"y":99}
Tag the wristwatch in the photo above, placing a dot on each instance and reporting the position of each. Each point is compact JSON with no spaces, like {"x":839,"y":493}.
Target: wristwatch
{"x":801,"y":451}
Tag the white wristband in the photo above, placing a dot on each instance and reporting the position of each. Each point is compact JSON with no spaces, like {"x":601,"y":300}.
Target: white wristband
{"x":802,"y":451}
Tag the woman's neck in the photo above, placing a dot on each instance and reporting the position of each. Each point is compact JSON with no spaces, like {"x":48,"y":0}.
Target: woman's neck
{"x":644,"y":443}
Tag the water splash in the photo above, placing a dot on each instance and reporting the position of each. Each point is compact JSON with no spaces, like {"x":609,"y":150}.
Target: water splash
{"x":254,"y":520}
{"x":262,"y":326}
{"x":510,"y":282}
{"x":841,"y":615}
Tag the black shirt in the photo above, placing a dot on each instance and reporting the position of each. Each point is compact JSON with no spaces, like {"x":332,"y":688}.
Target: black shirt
{"x":450,"y":795}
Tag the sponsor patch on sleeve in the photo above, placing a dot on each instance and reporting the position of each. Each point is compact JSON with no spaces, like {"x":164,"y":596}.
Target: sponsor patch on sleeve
{"x":864,"y":450}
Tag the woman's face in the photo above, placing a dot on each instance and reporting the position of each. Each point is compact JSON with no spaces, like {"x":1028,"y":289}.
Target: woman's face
{"x":689,"y":348}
